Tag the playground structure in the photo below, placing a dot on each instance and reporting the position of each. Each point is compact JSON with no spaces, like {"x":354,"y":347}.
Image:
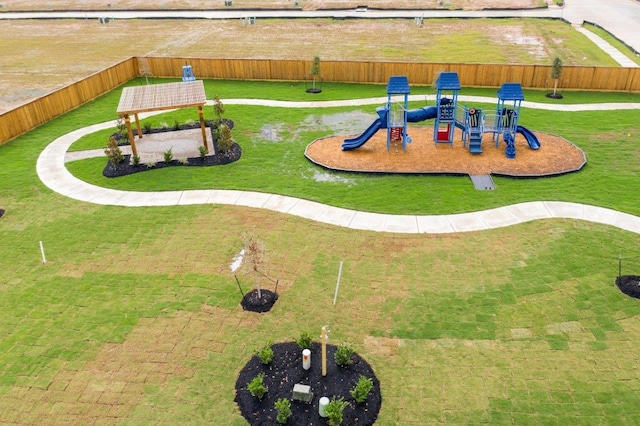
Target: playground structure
{"x":187,"y":73}
{"x":448,"y":115}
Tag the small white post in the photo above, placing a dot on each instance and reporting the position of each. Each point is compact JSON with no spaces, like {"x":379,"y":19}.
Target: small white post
{"x":335,"y":296}
{"x":44,"y":259}
{"x":306,"y":359}
{"x":322,"y":408}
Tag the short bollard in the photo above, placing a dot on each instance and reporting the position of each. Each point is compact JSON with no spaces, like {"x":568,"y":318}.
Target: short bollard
{"x":306,"y":359}
{"x":322,"y":408}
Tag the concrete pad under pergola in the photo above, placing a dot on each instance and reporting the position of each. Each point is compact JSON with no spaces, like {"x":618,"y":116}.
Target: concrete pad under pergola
{"x":159,"y":97}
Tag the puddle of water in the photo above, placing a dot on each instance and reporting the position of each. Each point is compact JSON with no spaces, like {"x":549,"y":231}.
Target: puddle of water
{"x":324,"y":176}
{"x":270,"y":132}
{"x":341,"y":123}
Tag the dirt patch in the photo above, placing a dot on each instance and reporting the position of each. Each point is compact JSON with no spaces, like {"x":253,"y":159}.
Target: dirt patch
{"x":263,"y":4}
{"x":555,"y":156}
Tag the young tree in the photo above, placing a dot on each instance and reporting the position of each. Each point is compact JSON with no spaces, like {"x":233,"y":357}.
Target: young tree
{"x":114,"y":152}
{"x":218,"y":108}
{"x":254,"y":254}
{"x":556,"y":72}
{"x":315,"y":71}
{"x":225,"y":140}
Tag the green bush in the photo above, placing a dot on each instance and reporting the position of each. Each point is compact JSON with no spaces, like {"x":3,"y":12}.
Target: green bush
{"x":361,"y":390}
{"x":176,"y":125}
{"x":225,"y":140}
{"x":203,"y":151}
{"x":304,"y":341}
{"x":343,"y":354}
{"x":334,"y":410}
{"x":265,"y":354}
{"x":283,"y":407}
{"x":168,"y":156}
{"x":114,"y":152}
{"x":146,"y":127}
{"x":256,"y":386}
{"x":136,"y":160}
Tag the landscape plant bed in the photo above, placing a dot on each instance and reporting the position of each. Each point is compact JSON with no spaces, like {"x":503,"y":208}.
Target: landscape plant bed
{"x":629,"y":285}
{"x":259,"y":303}
{"x":286,"y":370}
{"x":127,"y":168}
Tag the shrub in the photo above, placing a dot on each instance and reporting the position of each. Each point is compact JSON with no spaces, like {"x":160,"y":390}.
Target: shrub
{"x":304,"y":341}
{"x":164,"y":125}
{"x":136,"y":160}
{"x":122,"y":128}
{"x":283,"y":407}
{"x":168,"y":156}
{"x":265,"y":354}
{"x":334,"y":410}
{"x":256,"y":386}
{"x":147,"y":127}
{"x":225,"y":140}
{"x":343,"y":355}
{"x":114,"y":152}
{"x":203,"y":151}
{"x":361,"y":390}
{"x":218,"y":108}
{"x":176,"y":125}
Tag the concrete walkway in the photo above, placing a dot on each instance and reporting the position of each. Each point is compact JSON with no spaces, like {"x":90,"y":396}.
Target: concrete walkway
{"x":53,"y":173}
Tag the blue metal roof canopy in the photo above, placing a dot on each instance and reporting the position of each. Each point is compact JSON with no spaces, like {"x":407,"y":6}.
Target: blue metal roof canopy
{"x":398,"y":85}
{"x":448,"y":81}
{"x":511,"y":92}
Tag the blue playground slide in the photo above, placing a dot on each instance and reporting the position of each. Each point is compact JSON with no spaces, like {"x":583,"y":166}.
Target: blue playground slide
{"x":413,"y":116}
{"x":532,"y":140}
{"x":358,"y":141}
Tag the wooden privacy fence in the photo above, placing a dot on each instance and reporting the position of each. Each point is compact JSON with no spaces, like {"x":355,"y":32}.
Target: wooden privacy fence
{"x":32,"y":114}
{"x":26,"y":117}
{"x":476,"y":75}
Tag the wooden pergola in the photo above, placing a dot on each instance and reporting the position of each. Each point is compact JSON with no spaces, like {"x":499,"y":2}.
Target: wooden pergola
{"x":158,"y":97}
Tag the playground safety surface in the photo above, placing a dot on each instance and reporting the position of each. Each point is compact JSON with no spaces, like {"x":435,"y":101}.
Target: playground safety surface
{"x":555,"y":156}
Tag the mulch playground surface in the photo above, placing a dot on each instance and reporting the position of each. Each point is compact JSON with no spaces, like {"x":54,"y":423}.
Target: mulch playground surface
{"x":555,"y":156}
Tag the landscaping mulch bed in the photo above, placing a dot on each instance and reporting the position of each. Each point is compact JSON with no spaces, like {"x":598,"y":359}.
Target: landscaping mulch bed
{"x":629,"y":285}
{"x":127,"y":168}
{"x":555,"y":156}
{"x":259,"y":303}
{"x":286,"y":370}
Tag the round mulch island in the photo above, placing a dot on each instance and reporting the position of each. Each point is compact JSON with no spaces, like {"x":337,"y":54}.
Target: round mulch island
{"x":629,"y":285}
{"x":286,"y":370}
{"x":555,"y":156}
{"x":259,"y":303}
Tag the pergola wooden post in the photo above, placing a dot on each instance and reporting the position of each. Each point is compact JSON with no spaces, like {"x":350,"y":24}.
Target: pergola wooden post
{"x":159,"y":97}
{"x":203,"y":128}
{"x":127,"y":121}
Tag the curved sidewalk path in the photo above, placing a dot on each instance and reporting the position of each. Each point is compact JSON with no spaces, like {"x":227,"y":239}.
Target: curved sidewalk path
{"x":53,"y":173}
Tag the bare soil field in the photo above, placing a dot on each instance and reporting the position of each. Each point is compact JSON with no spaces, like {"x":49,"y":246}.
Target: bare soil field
{"x":14,"y":5}
{"x":41,"y":56}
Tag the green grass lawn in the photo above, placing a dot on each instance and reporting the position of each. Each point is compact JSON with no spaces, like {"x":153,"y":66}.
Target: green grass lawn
{"x":134,"y":319}
{"x":280,"y":167}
